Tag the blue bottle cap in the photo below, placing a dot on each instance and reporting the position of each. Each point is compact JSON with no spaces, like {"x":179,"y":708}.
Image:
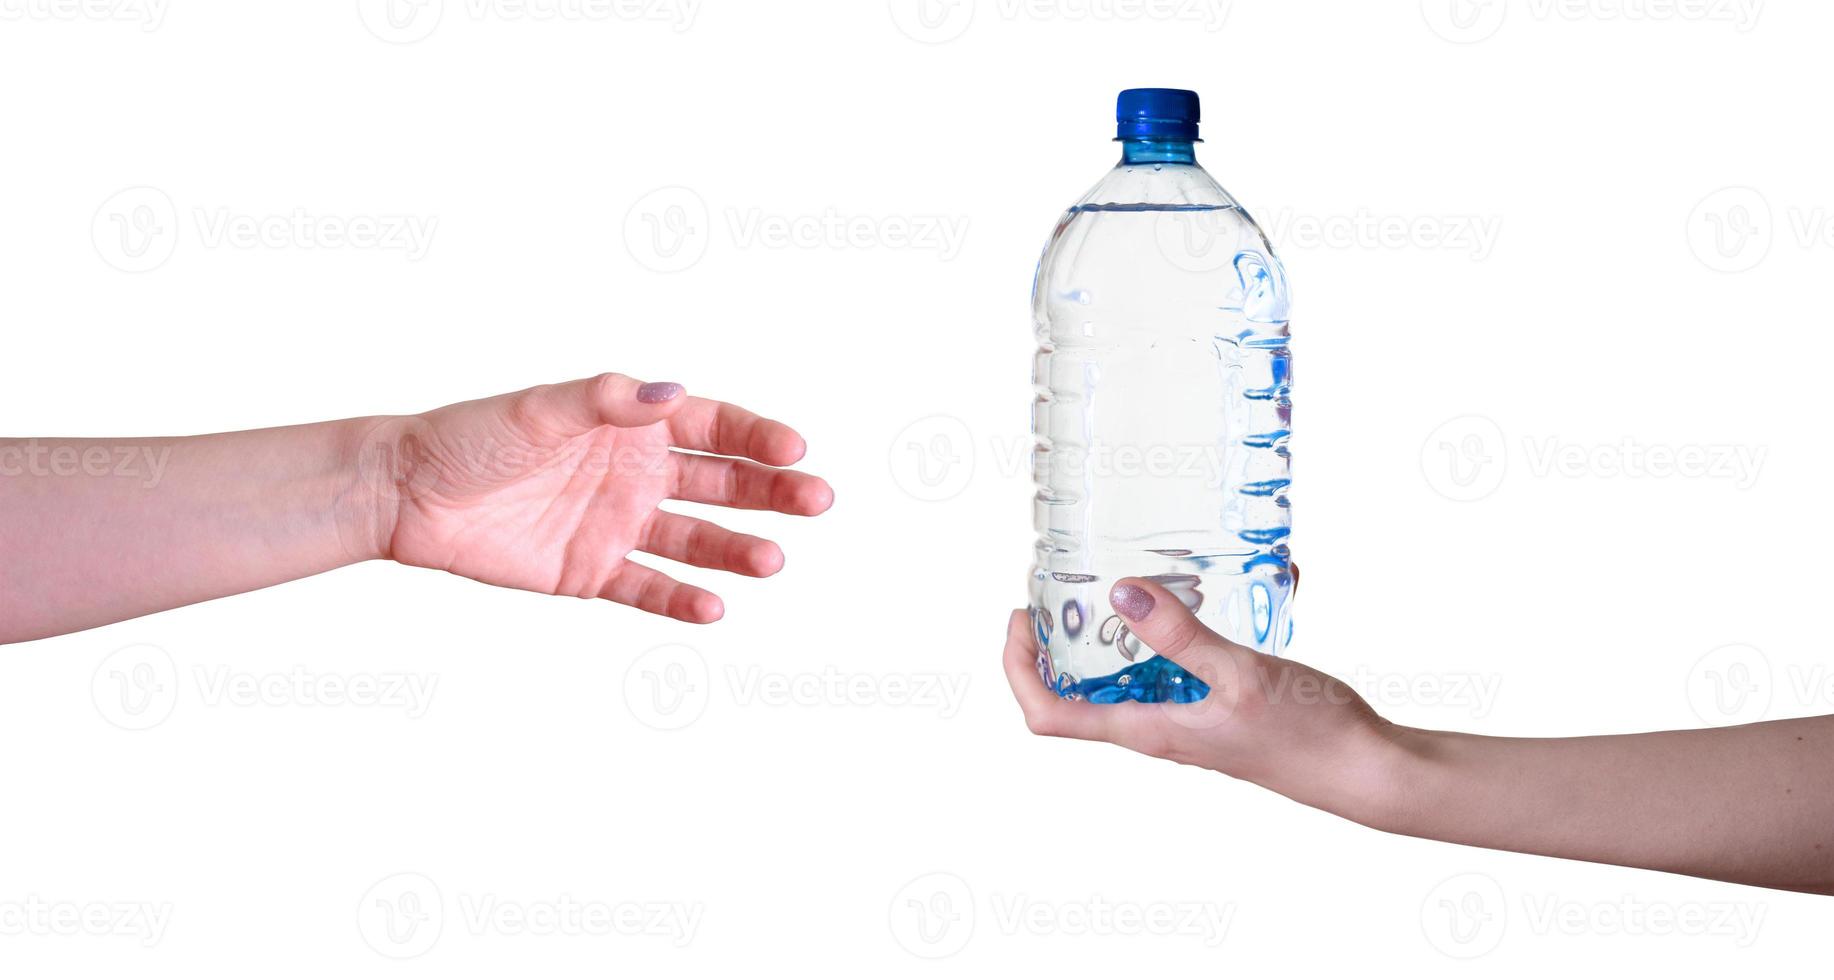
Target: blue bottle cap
{"x":1156,"y":114}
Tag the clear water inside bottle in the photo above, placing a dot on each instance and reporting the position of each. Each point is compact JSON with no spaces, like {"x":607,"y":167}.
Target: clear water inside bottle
{"x":1162,"y":420}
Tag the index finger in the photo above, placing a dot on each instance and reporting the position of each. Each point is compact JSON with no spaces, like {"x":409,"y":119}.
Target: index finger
{"x":718,"y":427}
{"x":1045,"y":712}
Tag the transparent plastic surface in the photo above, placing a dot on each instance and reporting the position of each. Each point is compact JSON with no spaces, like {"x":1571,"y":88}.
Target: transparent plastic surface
{"x":1161,"y":422}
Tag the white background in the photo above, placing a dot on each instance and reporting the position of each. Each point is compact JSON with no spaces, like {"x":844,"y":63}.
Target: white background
{"x":1624,"y":311}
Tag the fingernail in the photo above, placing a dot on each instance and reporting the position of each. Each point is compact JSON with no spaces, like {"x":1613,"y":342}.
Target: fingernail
{"x":1131,"y":601}
{"x":658,"y":391}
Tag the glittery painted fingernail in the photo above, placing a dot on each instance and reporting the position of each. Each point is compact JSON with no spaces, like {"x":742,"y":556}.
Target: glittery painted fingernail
{"x":658,"y":391}
{"x":1131,"y":601}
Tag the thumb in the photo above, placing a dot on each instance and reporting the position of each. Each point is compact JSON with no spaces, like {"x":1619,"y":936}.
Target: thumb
{"x":608,"y":399}
{"x":1162,"y":621}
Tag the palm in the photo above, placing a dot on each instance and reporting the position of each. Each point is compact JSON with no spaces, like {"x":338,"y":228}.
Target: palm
{"x":551,"y":489}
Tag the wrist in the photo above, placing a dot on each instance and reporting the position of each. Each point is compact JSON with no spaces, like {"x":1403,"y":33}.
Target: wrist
{"x":1380,"y":785}
{"x":1401,"y":767}
{"x":372,"y":477}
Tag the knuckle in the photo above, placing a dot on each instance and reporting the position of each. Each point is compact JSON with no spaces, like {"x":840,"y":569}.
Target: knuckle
{"x":525,"y":408}
{"x":605,"y":385}
{"x":1180,"y":635}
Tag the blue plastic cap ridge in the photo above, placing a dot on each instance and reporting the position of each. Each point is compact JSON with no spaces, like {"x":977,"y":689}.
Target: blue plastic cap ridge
{"x":1156,"y":114}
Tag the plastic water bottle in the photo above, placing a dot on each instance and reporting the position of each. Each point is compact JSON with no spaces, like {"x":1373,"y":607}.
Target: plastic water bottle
{"x":1162,"y":414}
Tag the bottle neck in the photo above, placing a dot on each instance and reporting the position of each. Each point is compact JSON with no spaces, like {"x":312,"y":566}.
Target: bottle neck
{"x":1139,"y":151}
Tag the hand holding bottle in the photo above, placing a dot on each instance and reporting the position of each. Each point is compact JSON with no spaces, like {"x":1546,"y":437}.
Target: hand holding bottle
{"x":1749,"y":803}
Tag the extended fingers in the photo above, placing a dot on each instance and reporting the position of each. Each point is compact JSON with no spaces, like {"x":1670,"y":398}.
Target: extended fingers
{"x":728,"y":430}
{"x":749,"y":486}
{"x":652,"y":591}
{"x":687,"y":539}
{"x":609,"y":399}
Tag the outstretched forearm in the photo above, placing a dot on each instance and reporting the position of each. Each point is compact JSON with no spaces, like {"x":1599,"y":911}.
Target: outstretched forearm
{"x":94,"y":531}
{"x":1751,"y":804}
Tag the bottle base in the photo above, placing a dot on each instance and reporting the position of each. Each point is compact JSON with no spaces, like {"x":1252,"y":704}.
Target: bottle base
{"x":1151,"y":681}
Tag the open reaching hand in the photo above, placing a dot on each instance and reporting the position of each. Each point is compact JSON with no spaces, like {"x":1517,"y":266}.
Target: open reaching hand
{"x":549,"y":489}
{"x":552,"y":488}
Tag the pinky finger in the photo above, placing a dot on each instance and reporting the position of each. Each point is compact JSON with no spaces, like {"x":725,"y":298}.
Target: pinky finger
{"x":654,"y":592}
